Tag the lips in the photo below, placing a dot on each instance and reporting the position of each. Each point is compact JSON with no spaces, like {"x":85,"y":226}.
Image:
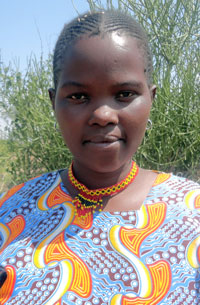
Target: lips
{"x":101,"y":139}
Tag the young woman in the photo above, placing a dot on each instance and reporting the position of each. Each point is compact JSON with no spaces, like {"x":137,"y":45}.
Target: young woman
{"x":103,"y":231}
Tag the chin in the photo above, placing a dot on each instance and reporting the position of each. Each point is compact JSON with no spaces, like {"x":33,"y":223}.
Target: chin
{"x":106,"y":164}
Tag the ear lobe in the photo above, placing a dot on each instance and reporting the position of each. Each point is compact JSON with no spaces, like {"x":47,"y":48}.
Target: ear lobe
{"x":153,"y":91}
{"x":52,"y":94}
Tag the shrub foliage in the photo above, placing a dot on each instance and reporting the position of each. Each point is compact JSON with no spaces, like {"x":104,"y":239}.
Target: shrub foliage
{"x":36,"y":145}
{"x":173,"y":144}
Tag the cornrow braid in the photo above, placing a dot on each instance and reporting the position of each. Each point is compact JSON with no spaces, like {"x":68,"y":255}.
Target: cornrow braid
{"x":96,"y":24}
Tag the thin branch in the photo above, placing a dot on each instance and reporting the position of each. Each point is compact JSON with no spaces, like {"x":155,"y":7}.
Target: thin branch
{"x":74,"y":6}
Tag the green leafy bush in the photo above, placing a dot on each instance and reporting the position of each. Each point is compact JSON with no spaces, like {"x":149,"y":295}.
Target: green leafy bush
{"x":173,"y":144}
{"x":35,"y":144}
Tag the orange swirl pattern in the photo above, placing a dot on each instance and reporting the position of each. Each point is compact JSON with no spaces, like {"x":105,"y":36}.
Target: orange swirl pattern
{"x":83,"y":223}
{"x":81,"y":279}
{"x":8,"y":286}
{"x":197,"y":202}
{"x":10,"y":193}
{"x":161,"y":276}
{"x":53,"y":196}
{"x":155,"y":278}
{"x":57,"y":196}
{"x":58,"y":303}
{"x":192,"y":199}
{"x":53,"y":249}
{"x":143,"y":257}
{"x":193,"y":253}
{"x":161,"y":178}
{"x":132,"y":238}
{"x":15,"y":228}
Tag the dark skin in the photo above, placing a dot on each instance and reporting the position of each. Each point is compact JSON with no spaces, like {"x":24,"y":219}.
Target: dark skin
{"x":102,"y":104}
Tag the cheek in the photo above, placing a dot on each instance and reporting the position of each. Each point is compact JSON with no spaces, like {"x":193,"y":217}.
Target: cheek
{"x":66,"y":125}
{"x":71,"y":123}
{"x":65,"y":117}
{"x":135,"y":121}
{"x":137,"y":112}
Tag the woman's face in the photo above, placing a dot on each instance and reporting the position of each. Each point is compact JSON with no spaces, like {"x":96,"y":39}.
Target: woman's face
{"x":102,"y":101}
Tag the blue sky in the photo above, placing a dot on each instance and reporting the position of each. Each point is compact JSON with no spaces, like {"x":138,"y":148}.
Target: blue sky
{"x":32,"y":26}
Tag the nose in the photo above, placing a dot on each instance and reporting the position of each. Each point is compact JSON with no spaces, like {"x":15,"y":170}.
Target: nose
{"x":103,"y":115}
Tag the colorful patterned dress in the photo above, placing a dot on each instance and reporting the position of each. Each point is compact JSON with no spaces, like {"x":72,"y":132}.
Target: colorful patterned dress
{"x":144,"y":257}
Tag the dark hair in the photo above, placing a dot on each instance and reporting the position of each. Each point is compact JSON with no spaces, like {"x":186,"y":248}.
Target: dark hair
{"x":96,"y":24}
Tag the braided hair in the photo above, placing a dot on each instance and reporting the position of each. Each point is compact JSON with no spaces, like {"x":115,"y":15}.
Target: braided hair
{"x":98,"y":24}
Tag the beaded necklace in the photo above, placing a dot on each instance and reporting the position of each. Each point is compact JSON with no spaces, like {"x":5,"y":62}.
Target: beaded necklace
{"x":87,"y":201}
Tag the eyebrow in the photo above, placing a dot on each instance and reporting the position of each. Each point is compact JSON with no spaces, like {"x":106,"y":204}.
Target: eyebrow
{"x":131,"y":83}
{"x":72,"y":83}
{"x":118,"y":84}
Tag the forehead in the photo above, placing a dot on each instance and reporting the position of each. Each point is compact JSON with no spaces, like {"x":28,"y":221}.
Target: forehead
{"x":106,"y":44}
{"x":112,"y":53}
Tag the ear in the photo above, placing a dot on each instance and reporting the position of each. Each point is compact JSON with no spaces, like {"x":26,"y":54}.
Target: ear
{"x":153,"y":92}
{"x":52,"y":94}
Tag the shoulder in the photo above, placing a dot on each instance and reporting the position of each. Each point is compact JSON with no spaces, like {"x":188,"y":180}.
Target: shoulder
{"x":179,"y":189}
{"x":171,"y":181}
{"x":29,"y":188}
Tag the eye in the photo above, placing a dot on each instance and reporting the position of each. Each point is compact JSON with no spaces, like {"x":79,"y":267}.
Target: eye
{"x":78,"y":97}
{"x":126,"y":95}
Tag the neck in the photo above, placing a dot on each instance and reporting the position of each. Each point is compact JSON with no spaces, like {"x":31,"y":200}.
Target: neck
{"x":95,"y":179}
